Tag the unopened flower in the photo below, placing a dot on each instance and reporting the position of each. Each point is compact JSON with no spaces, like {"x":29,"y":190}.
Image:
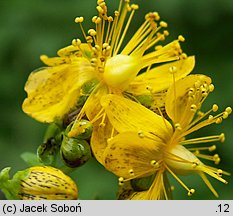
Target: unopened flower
{"x":102,"y":59}
{"x":38,"y":183}
{"x":148,"y":144}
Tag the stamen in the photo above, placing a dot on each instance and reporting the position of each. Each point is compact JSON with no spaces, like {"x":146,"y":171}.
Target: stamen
{"x":155,"y":164}
{"x":121,"y":181}
{"x":190,"y":191}
{"x":131,"y":172}
{"x":209,"y":185}
{"x":203,"y":139}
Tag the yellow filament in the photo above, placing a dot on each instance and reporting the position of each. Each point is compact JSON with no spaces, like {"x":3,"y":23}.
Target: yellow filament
{"x":124,"y":32}
{"x":177,"y":178}
{"x":201,"y":140}
{"x":207,"y":182}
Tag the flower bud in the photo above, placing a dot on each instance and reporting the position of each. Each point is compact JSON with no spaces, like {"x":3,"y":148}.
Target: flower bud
{"x":38,"y":183}
{"x":80,"y":130}
{"x":47,"y":151}
{"x":74,"y":152}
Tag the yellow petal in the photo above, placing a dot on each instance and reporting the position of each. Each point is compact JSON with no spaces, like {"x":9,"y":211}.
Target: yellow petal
{"x":129,"y":156}
{"x":160,"y":78}
{"x":99,"y":138}
{"x":177,"y":100}
{"x":126,"y":115}
{"x":92,"y":105}
{"x":156,"y":191}
{"x":53,"y":91}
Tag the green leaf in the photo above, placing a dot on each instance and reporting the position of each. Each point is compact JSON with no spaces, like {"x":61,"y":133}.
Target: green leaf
{"x":31,"y":159}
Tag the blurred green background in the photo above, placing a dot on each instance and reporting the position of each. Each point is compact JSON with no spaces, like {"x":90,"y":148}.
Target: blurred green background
{"x":31,"y":28}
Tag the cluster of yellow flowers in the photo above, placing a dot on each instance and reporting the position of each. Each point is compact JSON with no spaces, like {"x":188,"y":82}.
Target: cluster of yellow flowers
{"x":131,"y":102}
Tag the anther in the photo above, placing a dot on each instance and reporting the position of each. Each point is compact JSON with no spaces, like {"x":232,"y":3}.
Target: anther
{"x":228,"y":110}
{"x":163,"y":24}
{"x":200,"y":113}
{"x":79,"y":19}
{"x":154,"y":163}
{"x":222,"y":137}
{"x":216,"y":159}
{"x":210,"y":118}
{"x":178,"y":126}
{"x":76,"y":42}
{"x":225,"y":115}
{"x":149,"y":88}
{"x":166,"y":33}
{"x":121,"y":181}
{"x":219,"y":172}
{"x":181,"y":38}
{"x":191,"y":192}
{"x":116,"y":13}
{"x":156,"y":15}
{"x":184,"y":56}
{"x":110,"y":19}
{"x":89,"y":39}
{"x":100,"y":9}
{"x":195,"y":164}
{"x":172,"y":69}
{"x":105,"y":45}
{"x":193,"y":108}
{"x":211,"y":87}
{"x":218,"y":120}
{"x":92,"y":32}
{"x":134,"y":6}
{"x":131,"y":172}
{"x":102,"y":125}
{"x":215,"y":108}
{"x":212,"y":148}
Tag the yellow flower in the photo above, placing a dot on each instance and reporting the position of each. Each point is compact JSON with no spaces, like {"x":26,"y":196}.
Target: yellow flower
{"x":54,"y":91}
{"x":149,"y":144}
{"x":38,"y":183}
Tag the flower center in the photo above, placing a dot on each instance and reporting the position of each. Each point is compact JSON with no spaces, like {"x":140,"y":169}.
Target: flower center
{"x":120,"y":70}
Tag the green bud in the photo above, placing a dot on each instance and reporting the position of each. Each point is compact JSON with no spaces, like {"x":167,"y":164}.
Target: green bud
{"x":81,"y":129}
{"x":48,"y":150}
{"x":74,"y":152}
{"x":38,"y":183}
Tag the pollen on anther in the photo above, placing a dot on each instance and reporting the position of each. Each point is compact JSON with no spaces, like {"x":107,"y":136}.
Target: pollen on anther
{"x":222,"y":137}
{"x":154,"y":163}
{"x":215,"y":108}
{"x":193,"y":108}
{"x":121,"y":181}
{"x":191,"y":192}
{"x":195,"y":164}
{"x":79,"y":19}
{"x":172,"y":69}
{"x":212,"y":148}
{"x":163,"y":24}
{"x":228,"y":110}
{"x":131,"y":172}
{"x":219,"y":172}
{"x":181,"y":38}
{"x":76,"y":42}
{"x":134,"y":6}
{"x":178,"y":126}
